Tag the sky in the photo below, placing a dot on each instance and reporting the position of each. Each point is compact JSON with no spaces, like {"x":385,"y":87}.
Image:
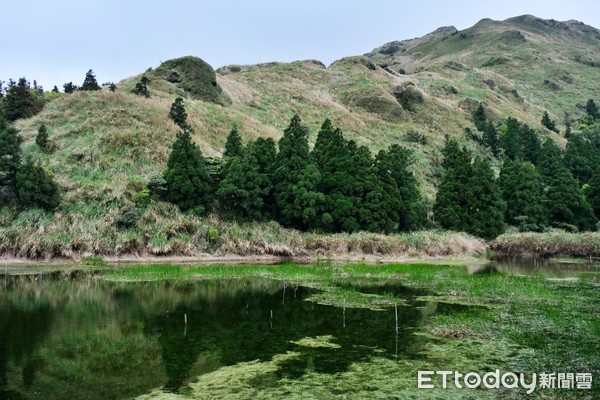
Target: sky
{"x":58,"y":41}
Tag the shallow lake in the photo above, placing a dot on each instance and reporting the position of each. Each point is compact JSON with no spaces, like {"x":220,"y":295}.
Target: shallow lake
{"x":74,"y":335}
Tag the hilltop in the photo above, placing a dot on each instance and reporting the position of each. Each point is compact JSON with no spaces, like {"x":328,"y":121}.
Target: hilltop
{"x":413,"y":92}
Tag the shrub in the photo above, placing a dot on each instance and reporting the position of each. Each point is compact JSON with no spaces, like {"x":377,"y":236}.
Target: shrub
{"x":41,"y":139}
{"x":127,"y":218}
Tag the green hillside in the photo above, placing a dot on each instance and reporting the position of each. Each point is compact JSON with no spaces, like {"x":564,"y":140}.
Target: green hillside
{"x":107,"y":145}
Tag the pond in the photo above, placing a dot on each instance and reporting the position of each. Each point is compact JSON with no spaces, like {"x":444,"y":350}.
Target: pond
{"x":76,"y":335}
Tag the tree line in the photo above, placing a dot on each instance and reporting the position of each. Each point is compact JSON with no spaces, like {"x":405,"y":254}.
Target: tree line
{"x":539,"y":185}
{"x":338,"y":186}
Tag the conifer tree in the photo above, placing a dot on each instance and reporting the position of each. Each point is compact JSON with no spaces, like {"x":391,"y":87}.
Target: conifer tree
{"x":412,"y":212}
{"x":332,"y":157}
{"x":530,"y":144}
{"x":264,"y":151}
{"x":491,"y":140}
{"x":511,"y":140}
{"x":41,"y":139}
{"x":36,"y":187}
{"x":566,"y":204}
{"x":384,"y":199}
{"x":479,"y":118}
{"x":487,"y":212}
{"x":295,"y":179}
{"x":548,"y":122}
{"x":592,"y":109}
{"x":242,"y":191}
{"x":550,"y":160}
{"x":233,"y":144}
{"x":178,"y":114}
{"x":10,"y":158}
{"x":468,"y":197}
{"x":55,"y":89}
{"x":522,"y":190}
{"x":581,"y":158}
{"x":90,"y":82}
{"x":188,"y":181}
{"x":21,"y":101}
{"x":592,"y":192}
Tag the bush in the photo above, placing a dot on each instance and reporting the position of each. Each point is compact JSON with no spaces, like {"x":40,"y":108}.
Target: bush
{"x":41,"y":138}
{"x":409,"y":97}
{"x":36,"y":188}
{"x":127,"y":218}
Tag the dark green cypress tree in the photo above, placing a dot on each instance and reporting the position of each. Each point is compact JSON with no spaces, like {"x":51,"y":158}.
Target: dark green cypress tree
{"x":187,"y":178}
{"x":566,"y":204}
{"x":332,"y":158}
{"x":367,"y":191}
{"x":10,"y":158}
{"x":522,"y":191}
{"x":530,"y":144}
{"x":548,"y":122}
{"x":233,"y":144}
{"x":21,"y":101}
{"x":479,"y":118}
{"x":242,"y":190}
{"x":188,"y":181}
{"x":385,"y":199}
{"x":412,"y":212}
{"x":581,"y":158}
{"x":41,"y":139}
{"x":90,"y":82}
{"x":486,"y":214}
{"x":592,"y":192}
{"x":511,"y":140}
{"x":468,"y":197}
{"x":592,"y":109}
{"x":550,"y":160}
{"x":178,"y":114}
{"x":295,"y":180}
{"x":264,"y":151}
{"x":36,"y":188}
{"x":491,"y":139}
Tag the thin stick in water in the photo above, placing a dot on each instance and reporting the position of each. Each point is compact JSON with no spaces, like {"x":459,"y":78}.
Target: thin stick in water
{"x":396,"y":310}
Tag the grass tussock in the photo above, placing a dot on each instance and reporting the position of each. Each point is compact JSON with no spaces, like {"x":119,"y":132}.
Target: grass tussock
{"x":160,"y":229}
{"x":554,"y":243}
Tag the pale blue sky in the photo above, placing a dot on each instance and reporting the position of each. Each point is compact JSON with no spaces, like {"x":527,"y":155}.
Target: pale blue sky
{"x":56,"y":41}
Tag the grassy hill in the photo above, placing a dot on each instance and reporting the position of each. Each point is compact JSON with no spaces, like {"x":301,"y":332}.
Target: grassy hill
{"x":108,"y":144}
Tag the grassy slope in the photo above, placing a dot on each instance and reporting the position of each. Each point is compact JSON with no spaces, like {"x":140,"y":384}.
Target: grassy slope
{"x":109,"y":144}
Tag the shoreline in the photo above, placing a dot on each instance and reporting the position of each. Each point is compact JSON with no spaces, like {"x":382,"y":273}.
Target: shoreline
{"x":232,"y":259}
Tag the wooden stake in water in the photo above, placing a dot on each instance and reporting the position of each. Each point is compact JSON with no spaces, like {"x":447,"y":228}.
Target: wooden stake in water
{"x":396,"y":310}
{"x":344,"y":313}
{"x":185,"y":318}
{"x":284,"y":286}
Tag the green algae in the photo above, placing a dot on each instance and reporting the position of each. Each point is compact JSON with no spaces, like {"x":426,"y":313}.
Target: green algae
{"x":316,"y":342}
